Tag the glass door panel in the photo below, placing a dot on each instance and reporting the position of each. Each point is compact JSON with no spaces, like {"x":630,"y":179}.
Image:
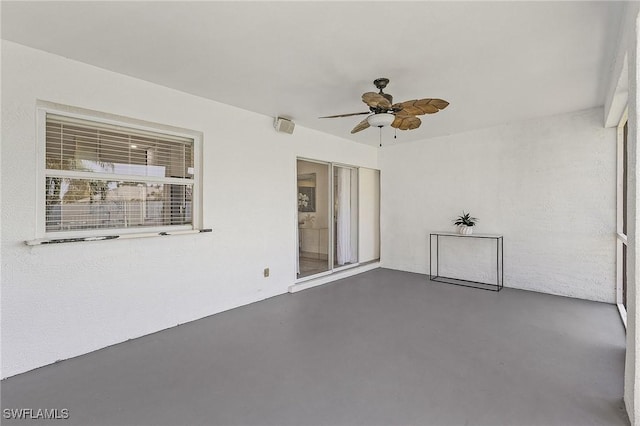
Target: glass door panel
{"x":313,"y":218}
{"x":345,"y":216}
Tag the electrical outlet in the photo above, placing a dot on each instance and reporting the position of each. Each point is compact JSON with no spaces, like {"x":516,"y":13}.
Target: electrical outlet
{"x":266,"y":272}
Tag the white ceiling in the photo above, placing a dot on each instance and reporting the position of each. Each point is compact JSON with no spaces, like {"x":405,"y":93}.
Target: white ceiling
{"x":495,"y":62}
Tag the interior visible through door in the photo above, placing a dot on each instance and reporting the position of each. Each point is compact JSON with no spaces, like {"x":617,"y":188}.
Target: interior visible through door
{"x":313,"y":218}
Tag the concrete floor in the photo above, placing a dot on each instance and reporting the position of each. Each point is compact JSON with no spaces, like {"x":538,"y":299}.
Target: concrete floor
{"x":381,"y":348}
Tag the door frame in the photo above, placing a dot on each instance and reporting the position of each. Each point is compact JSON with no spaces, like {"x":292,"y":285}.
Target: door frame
{"x":621,"y":237}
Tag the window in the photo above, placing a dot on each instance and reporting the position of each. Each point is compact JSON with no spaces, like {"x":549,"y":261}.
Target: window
{"x":104,"y":176}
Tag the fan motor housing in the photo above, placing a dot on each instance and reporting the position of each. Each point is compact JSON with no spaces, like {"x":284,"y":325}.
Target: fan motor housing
{"x":381,"y":82}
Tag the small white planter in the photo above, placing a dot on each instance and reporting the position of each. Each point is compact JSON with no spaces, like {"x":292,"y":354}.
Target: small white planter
{"x":466,"y":230}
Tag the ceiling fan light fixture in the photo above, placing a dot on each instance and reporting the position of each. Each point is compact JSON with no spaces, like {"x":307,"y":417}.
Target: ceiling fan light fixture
{"x":381,"y":120}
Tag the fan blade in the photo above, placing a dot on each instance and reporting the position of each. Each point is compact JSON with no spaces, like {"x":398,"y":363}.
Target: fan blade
{"x":376,"y":100}
{"x":439,"y":103}
{"x":406,"y":122}
{"x":347,"y":115}
{"x":361,"y":126}
{"x":420,"y":106}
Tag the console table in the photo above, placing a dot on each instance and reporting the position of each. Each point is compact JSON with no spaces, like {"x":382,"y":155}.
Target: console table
{"x":434,"y":273}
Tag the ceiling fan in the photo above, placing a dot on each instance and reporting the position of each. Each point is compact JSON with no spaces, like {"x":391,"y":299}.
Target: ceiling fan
{"x":383,"y":112}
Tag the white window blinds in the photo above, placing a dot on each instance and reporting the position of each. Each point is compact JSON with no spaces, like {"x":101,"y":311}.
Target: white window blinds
{"x":101,"y":176}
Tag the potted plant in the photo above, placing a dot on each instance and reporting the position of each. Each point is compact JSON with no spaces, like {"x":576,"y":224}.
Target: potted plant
{"x":465,"y":223}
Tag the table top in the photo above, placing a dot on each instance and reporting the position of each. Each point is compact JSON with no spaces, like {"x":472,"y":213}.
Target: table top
{"x":455,"y":234}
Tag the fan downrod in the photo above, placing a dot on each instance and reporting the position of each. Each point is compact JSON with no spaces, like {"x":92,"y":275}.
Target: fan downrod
{"x":381,"y":83}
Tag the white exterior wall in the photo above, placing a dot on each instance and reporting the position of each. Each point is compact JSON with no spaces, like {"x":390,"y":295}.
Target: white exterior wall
{"x":59,"y":301}
{"x":548,"y":185}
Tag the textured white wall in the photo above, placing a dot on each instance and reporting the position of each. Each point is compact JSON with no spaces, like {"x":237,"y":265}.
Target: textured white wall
{"x":64,"y":300}
{"x":548,"y":185}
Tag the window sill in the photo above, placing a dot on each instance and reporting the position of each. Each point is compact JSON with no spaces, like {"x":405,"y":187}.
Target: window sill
{"x":43,"y":241}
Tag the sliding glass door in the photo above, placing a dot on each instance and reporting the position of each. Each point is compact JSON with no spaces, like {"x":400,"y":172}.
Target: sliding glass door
{"x":327,"y":217}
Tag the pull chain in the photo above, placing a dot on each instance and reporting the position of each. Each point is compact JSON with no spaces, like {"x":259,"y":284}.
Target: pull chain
{"x":380,"y":136}
{"x":395,"y":133}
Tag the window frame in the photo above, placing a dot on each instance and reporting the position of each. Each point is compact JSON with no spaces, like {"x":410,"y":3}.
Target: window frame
{"x":134,"y":124}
